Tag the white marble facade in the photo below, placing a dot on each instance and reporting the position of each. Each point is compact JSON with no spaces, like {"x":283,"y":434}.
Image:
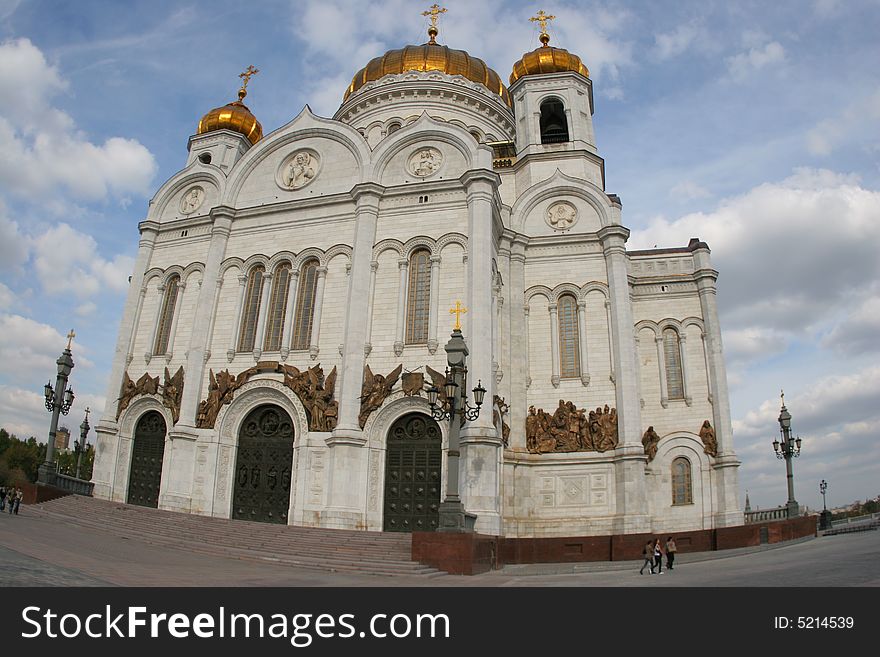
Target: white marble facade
{"x":414,"y":169}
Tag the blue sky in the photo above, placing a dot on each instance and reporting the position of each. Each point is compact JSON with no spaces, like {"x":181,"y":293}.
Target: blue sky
{"x":753,"y":125}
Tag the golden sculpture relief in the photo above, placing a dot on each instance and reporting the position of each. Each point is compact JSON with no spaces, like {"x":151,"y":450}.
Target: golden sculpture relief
{"x":570,"y":429}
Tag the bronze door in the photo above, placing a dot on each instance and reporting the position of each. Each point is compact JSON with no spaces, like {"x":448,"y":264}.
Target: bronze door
{"x":263,"y":465}
{"x":146,"y":460}
{"x":412,"y":475}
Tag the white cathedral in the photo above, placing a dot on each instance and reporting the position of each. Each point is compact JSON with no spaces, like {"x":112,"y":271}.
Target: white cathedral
{"x":291,"y":299}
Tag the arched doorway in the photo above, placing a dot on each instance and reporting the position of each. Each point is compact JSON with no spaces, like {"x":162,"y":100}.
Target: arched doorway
{"x":146,"y":460}
{"x":413,"y":462}
{"x":263,"y":466}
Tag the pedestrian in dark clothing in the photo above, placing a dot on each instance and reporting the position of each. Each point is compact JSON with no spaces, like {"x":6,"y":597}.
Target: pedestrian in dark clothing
{"x":658,"y":557}
{"x":2,"y":498}
{"x":648,"y":555}
{"x":670,"y":552}
{"x":18,"y":496}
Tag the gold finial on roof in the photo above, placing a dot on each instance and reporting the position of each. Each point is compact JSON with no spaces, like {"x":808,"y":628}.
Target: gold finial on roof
{"x":541,"y":19}
{"x":458,"y":311}
{"x":246,"y":77}
{"x":70,"y":337}
{"x":434,"y":12}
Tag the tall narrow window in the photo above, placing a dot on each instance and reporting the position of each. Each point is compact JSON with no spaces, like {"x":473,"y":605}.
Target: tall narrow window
{"x":554,"y":124}
{"x":672,"y":358}
{"x":568,"y":337}
{"x":251,"y":311}
{"x":418,"y":298}
{"x":682,"y":490}
{"x":305,"y":305}
{"x":277,"y":307}
{"x":169,"y":302}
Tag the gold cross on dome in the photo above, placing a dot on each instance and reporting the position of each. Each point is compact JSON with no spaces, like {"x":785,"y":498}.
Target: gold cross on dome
{"x":434,"y":12}
{"x":541,"y":19}
{"x":70,"y":337}
{"x":246,"y":75}
{"x":458,"y":311}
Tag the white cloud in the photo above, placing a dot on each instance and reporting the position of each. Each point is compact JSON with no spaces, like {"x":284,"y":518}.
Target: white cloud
{"x":7,"y":297}
{"x":756,"y":58}
{"x":23,"y":412}
{"x":85,"y":272}
{"x":42,"y":148}
{"x":30,"y":346}
{"x":86,"y":309}
{"x":688,"y":190}
{"x":671,"y":44}
{"x":859,"y":121}
{"x":13,"y":245}
{"x":859,"y":333}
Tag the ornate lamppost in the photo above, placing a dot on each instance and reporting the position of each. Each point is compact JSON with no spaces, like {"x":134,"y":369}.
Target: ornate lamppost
{"x":825,"y":517}
{"x":455,"y":408}
{"x":80,"y":445}
{"x":788,"y":449}
{"x":58,"y":402}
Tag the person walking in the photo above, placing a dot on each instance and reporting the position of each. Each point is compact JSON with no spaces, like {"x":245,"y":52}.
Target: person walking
{"x":2,"y":498}
{"x":18,"y":495}
{"x":670,"y":552}
{"x":648,"y":555}
{"x":658,"y":557}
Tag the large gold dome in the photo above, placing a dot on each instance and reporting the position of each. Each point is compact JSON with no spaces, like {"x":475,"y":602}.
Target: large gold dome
{"x":234,"y":116}
{"x":430,"y":56}
{"x":547,"y":59}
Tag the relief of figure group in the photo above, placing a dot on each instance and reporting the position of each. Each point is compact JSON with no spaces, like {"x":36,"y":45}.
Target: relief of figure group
{"x":571,"y":429}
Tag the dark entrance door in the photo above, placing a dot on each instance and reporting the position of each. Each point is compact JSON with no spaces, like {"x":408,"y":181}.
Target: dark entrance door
{"x":412,"y":474}
{"x":146,"y":460}
{"x":262,"y":468}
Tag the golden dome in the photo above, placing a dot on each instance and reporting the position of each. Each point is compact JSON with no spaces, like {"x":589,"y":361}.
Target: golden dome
{"x":547,"y":59}
{"x":429,"y":56}
{"x":236,"y":117}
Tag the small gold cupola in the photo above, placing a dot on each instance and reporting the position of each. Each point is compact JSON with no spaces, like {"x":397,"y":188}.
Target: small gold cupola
{"x":234,"y":116}
{"x":547,"y":59}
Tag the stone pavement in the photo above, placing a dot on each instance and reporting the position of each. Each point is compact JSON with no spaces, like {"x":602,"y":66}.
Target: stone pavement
{"x":38,"y":550}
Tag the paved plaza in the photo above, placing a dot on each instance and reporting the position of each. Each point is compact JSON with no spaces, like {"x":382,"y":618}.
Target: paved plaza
{"x":37,"y":550}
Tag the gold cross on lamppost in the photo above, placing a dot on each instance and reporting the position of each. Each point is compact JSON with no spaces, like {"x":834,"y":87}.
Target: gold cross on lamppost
{"x":70,"y":337}
{"x":541,"y":19}
{"x":434,"y":12}
{"x":458,"y":311}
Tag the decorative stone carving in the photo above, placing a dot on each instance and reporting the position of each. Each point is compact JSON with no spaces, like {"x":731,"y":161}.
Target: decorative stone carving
{"x":412,"y":383}
{"x":425,"y":162}
{"x":561,"y":216}
{"x":499,"y":410}
{"x":221,"y":389}
{"x":707,"y":435}
{"x":146,"y":385}
{"x":192,"y":200}
{"x":650,"y":440}
{"x":570,"y":429}
{"x":374,"y":391}
{"x":438,"y":380}
{"x":299,"y":169}
{"x":172,"y":392}
{"x":316,"y":394}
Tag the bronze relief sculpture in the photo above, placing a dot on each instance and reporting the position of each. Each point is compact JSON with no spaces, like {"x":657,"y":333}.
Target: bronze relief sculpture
{"x":375,"y":389}
{"x":710,"y":442}
{"x":146,"y":385}
{"x":650,"y":440}
{"x":570,"y":429}
{"x":172,"y":392}
{"x":315,"y":391}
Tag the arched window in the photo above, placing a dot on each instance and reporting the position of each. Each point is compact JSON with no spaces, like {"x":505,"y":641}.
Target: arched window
{"x":392,"y":127}
{"x":169,"y":302}
{"x":277,"y":307}
{"x":569,"y":365}
{"x":682,"y":490}
{"x":305,"y":305}
{"x":251,"y":310}
{"x":418,"y":298}
{"x":554,"y":124}
{"x":672,"y":360}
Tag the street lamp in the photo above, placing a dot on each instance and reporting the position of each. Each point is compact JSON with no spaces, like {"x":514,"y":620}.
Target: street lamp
{"x":80,"y":445}
{"x":455,"y":408}
{"x":58,"y":402}
{"x":825,"y":517}
{"x":788,"y":449}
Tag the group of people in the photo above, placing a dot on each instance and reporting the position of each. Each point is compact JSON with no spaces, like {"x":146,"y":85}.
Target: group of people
{"x":11,"y":497}
{"x":653,"y":554}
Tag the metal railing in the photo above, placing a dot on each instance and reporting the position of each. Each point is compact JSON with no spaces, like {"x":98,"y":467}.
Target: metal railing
{"x":763,"y":515}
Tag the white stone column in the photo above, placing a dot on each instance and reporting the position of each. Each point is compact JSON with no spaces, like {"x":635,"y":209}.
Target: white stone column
{"x":726,"y":464}
{"x":403,"y":267}
{"x":316,"y":316}
{"x":661,"y":367}
{"x":265,"y":302}
{"x":348,"y":457}
{"x":527,"y":358}
{"x":213,"y":321}
{"x":685,"y":384}
{"x":610,"y":340}
{"x":434,"y":304}
{"x":107,"y":439}
{"x":499,"y":337}
{"x":169,"y":350}
{"x":368,"y":344}
{"x":132,"y":336}
{"x":519,"y":345}
{"x":553,"y":308}
{"x":148,"y":355}
{"x":706,"y":365}
{"x":630,"y":486}
{"x":292,"y":289}
{"x":481,"y":445}
{"x":236,"y":329}
{"x":582,"y":341}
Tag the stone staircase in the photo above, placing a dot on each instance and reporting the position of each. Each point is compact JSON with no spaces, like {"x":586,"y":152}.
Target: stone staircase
{"x":311,"y":548}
